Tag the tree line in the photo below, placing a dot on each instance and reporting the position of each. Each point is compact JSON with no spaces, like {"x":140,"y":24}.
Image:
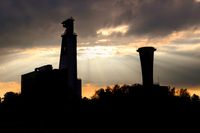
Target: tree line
{"x":119,"y":108}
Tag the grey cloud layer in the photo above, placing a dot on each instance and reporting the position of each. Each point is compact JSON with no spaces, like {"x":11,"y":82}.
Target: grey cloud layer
{"x":28,"y":23}
{"x":162,"y":17}
{"x":176,"y":71}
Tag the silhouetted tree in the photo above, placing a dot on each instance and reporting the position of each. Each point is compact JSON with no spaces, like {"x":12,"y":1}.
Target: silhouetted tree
{"x":11,"y":98}
{"x":195,"y":98}
{"x":172,"y":92}
{"x":184,"y":93}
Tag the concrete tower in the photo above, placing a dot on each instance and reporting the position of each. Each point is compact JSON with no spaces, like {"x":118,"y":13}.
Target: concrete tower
{"x":68,"y":56}
{"x":146,"y":59}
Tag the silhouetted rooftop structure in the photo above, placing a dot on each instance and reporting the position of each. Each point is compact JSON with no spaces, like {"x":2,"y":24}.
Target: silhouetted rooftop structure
{"x":44,"y":68}
{"x":67,"y":20}
{"x":44,"y":83}
{"x":69,"y":25}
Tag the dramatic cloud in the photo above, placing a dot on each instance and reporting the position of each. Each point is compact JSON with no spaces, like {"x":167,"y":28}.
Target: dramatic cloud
{"x":28,"y":23}
{"x":119,"y":29}
{"x":158,"y":17}
{"x":178,"y":66}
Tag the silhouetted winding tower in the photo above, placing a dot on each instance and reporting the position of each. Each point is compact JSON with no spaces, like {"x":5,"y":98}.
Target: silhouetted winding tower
{"x":46,"y":82}
{"x":68,"y":56}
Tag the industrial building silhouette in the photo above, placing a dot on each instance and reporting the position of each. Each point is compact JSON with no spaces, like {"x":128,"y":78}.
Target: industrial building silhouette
{"x":46,"y":82}
{"x":146,"y":59}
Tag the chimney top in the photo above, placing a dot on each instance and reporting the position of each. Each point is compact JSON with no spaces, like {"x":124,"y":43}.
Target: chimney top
{"x":148,"y":48}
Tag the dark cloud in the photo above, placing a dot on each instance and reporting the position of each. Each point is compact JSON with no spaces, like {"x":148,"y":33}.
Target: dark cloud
{"x":174,"y":71}
{"x":29,"y":23}
{"x":179,"y":68}
{"x":23,"y":23}
{"x":159,"y":18}
{"x":187,"y":53}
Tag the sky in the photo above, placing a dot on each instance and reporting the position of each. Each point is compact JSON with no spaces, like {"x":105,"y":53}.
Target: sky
{"x":109,"y":33}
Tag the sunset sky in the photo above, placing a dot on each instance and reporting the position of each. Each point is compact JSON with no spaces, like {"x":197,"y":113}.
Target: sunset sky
{"x":109,"y":33}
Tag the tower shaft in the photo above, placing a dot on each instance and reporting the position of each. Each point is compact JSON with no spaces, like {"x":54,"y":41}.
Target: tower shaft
{"x":68,"y":57}
{"x":146,"y":59}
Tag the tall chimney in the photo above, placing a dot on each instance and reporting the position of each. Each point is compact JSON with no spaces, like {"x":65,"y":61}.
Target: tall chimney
{"x":146,"y":59}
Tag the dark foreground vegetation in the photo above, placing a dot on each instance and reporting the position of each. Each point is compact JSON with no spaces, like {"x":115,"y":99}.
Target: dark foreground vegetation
{"x":125,"y":109}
